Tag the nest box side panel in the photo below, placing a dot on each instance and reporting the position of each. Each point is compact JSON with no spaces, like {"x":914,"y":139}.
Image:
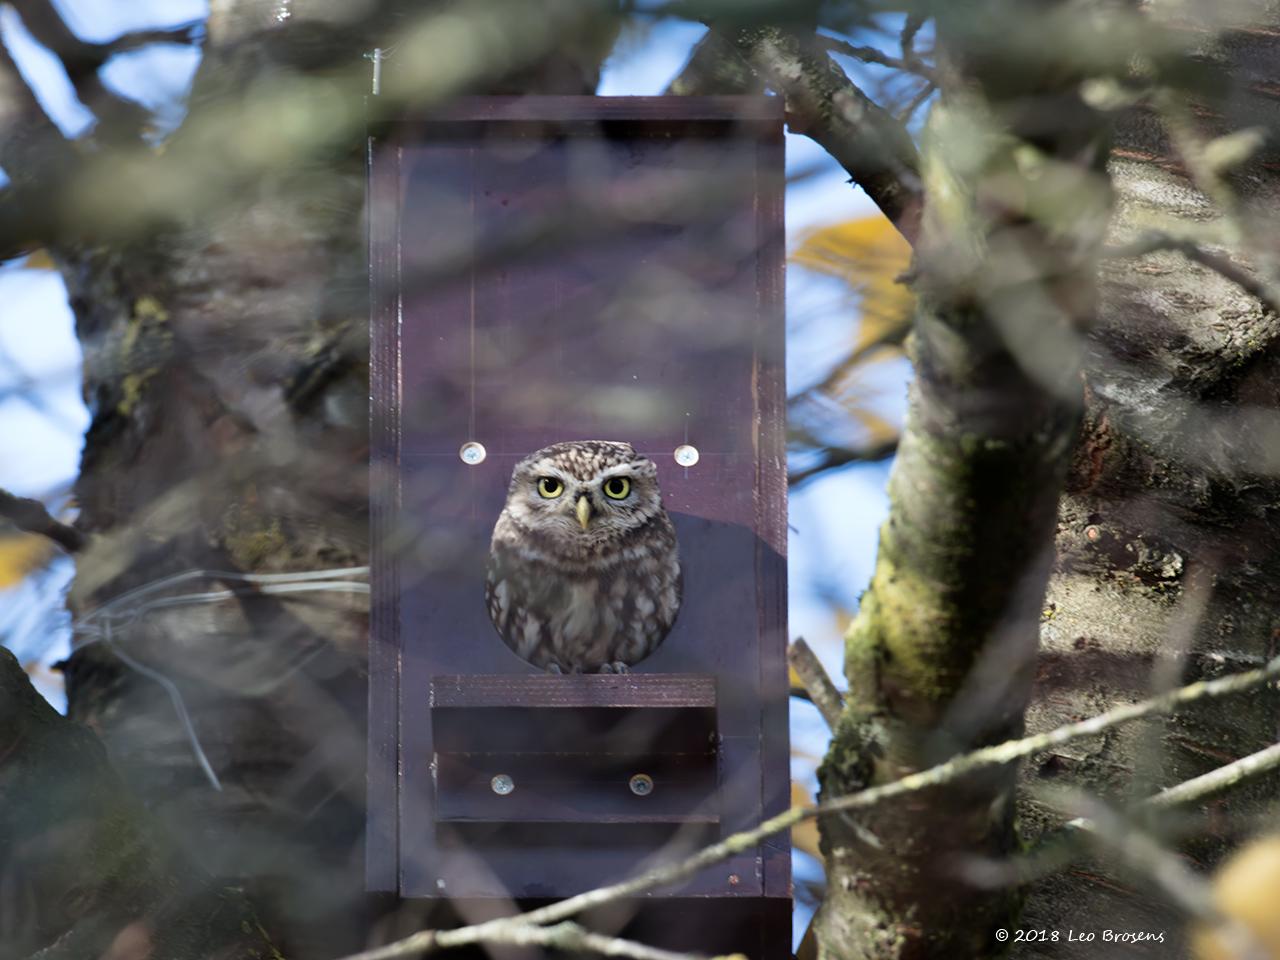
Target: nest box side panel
{"x":563,"y":276}
{"x":382,"y":832}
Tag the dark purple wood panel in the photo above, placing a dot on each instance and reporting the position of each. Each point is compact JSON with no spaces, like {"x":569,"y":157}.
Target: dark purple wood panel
{"x":771,"y":513}
{"x":382,"y":830}
{"x":576,"y":788}
{"x":586,"y":690}
{"x":579,"y":268}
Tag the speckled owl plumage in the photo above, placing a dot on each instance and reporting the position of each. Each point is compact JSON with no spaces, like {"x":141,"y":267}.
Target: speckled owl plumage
{"x":576,"y":589}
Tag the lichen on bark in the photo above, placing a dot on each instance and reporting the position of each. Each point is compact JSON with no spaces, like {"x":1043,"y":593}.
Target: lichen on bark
{"x":940,"y":656}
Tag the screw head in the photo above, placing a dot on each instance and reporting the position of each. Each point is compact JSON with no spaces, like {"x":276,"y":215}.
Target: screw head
{"x":734,"y":880}
{"x":641,"y":784}
{"x":686,"y":454}
{"x":472,"y":452}
{"x":502,"y":784}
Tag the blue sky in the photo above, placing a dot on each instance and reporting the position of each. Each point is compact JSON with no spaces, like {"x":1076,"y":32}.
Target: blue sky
{"x":834,"y":519}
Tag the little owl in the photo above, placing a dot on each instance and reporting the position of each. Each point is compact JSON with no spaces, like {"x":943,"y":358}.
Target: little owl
{"x":584,"y":572}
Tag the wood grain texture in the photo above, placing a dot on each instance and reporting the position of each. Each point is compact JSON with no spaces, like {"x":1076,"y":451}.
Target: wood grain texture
{"x":584,"y":690}
{"x":583,"y":268}
{"x":382,"y":839}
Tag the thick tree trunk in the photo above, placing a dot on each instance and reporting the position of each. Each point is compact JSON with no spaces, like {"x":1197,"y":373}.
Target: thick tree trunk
{"x":1167,"y":560}
{"x":940,"y":657}
{"x":86,"y":869}
{"x":226,"y":367}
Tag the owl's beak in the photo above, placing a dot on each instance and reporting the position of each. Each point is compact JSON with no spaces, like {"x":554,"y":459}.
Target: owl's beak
{"x":583,"y":511}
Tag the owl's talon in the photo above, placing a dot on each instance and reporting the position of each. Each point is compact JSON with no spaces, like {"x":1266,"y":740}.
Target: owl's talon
{"x":619,"y":667}
{"x":554,"y":667}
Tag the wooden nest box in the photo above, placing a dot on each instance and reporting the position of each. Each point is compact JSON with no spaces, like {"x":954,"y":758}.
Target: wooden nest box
{"x":547,"y":269}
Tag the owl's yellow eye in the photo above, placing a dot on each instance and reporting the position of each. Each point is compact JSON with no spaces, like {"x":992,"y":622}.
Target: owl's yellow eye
{"x":617,"y":488}
{"x":550,"y":487}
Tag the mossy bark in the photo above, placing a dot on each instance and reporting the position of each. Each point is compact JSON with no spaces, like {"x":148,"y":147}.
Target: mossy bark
{"x":940,"y":657}
{"x":226,"y":369}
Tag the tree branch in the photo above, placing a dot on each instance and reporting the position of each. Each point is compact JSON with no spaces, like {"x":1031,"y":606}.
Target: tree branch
{"x":714,"y":67}
{"x":37,"y":159}
{"x":822,"y":103}
{"x":826,"y":106}
{"x":1000,"y":755}
{"x":514,"y":932}
{"x":1156,"y":240}
{"x":836,"y":457}
{"x":1216,"y":781}
{"x":31,"y":516}
{"x":82,"y":60}
{"x":941,"y":655}
{"x":907,"y":38}
{"x":906,"y":64}
{"x":822,"y":692}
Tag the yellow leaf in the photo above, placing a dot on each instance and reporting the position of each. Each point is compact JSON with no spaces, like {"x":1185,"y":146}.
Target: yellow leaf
{"x":869,"y":255}
{"x":879,"y":430}
{"x":1245,"y":889}
{"x":794,"y":680}
{"x":804,"y":835}
{"x":20,"y":554}
{"x":39,"y":260}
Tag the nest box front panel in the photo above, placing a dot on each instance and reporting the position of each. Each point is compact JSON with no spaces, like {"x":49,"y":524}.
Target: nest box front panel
{"x":576,"y":269}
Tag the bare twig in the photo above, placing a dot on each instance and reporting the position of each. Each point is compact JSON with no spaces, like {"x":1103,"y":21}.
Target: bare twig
{"x":912,"y":64}
{"x":924,"y":93}
{"x":822,"y":692}
{"x":1215,"y":781}
{"x":31,"y":516}
{"x":826,"y":106}
{"x":907,"y":39}
{"x":1155,"y":240}
{"x":100,"y":625}
{"x":1061,"y":847}
{"x":822,"y":104}
{"x":82,"y":59}
{"x":126,"y":604}
{"x":1208,"y":174}
{"x":1147,"y":858}
{"x":939,"y":775}
{"x":842,"y":456}
{"x":512,"y":931}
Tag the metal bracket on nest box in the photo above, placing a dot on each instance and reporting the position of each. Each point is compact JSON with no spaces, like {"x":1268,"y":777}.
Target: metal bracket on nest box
{"x":547,"y":269}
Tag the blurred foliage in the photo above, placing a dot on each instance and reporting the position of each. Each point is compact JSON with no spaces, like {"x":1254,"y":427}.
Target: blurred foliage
{"x":838,"y":414}
{"x":39,"y":260}
{"x":22,"y":554}
{"x":870,"y":256}
{"x":1246,"y":889}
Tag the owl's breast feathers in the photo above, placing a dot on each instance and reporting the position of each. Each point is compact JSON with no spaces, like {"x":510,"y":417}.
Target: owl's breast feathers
{"x":581,"y":613}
